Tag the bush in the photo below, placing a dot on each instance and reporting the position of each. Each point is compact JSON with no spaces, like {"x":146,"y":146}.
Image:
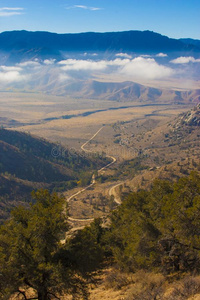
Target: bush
{"x":147,"y":286}
{"x":187,"y":288}
{"x":116,"y":280}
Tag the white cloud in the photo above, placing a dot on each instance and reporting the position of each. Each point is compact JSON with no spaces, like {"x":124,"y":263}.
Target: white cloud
{"x":185,"y":60}
{"x":146,"y":68}
{"x":84,"y":7}
{"x":123,"y":55}
{"x":10,"y":68}
{"x":29,"y":63}
{"x":11,"y":8}
{"x":118,"y":62}
{"x":139,"y":67}
{"x":146,"y":55}
{"x":20,"y":72}
{"x":161,"y":55}
{"x":49,"y":61}
{"x":81,"y":6}
{"x":10,"y":11}
{"x":11,"y":77}
{"x":89,"y":54}
{"x":82,"y":65}
{"x":70,"y":69}
{"x":12,"y":74}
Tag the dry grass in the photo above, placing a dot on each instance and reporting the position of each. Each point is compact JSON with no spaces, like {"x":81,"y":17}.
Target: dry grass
{"x":144,"y":286}
{"x":112,"y":284}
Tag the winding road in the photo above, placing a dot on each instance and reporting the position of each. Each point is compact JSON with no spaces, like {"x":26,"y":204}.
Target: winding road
{"x":108,"y":156}
{"x":112,"y":192}
{"x":100,"y":171}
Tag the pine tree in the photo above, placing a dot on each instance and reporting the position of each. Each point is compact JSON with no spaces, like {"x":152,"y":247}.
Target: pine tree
{"x":29,"y":247}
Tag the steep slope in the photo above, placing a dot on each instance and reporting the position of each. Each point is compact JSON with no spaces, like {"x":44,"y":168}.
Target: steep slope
{"x":27,"y":163}
{"x":191,"y":118}
{"x":38,"y":160}
{"x":27,"y":166}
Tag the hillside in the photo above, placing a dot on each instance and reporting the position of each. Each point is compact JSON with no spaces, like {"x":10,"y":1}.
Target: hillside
{"x":160,"y":149}
{"x":191,"y":118}
{"x":20,"y":45}
{"x":28,"y":163}
{"x":160,"y":143}
{"x":128,"y":91}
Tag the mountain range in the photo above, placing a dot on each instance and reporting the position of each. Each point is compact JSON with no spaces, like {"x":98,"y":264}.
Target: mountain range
{"x":191,"y":42}
{"x":22,"y":45}
{"x":127,"y":91}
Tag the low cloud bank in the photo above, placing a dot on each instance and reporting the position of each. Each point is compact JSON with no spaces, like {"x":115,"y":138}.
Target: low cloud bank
{"x":11,"y":74}
{"x":138,"y":67}
{"x":123,"y":65}
{"x":185,"y":60}
{"x":78,"y":65}
{"x":146,"y":68}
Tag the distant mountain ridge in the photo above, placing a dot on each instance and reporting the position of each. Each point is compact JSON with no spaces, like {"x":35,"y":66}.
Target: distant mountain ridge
{"x":191,"y":42}
{"x":25,"y":44}
{"x":127,"y":91}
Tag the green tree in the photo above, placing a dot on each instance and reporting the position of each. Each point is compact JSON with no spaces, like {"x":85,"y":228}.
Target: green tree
{"x":159,"y":228}
{"x":29,"y":250}
{"x":85,"y":248}
{"x":133,"y":235}
{"x":179,"y":223}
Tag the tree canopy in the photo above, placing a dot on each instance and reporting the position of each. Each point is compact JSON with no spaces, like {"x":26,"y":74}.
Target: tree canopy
{"x":29,"y":243}
{"x":159,"y":228}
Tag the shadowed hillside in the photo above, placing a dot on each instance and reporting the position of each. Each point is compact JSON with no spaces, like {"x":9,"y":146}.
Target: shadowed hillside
{"x":27,"y":163}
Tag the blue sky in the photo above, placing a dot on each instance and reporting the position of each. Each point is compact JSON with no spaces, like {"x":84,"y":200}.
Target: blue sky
{"x":174,"y":18}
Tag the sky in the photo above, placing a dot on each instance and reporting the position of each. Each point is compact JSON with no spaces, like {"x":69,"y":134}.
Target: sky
{"x":174,"y":18}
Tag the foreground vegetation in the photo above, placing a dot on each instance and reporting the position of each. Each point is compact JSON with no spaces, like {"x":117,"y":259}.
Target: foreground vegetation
{"x":32,"y":259}
{"x":159,"y":229}
{"x":154,"y":231}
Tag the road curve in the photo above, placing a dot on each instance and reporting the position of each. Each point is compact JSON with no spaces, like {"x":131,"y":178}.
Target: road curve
{"x":82,"y":147}
{"x":79,"y":192}
{"x":111,"y":192}
{"x":108,"y":156}
{"x":100,"y":171}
